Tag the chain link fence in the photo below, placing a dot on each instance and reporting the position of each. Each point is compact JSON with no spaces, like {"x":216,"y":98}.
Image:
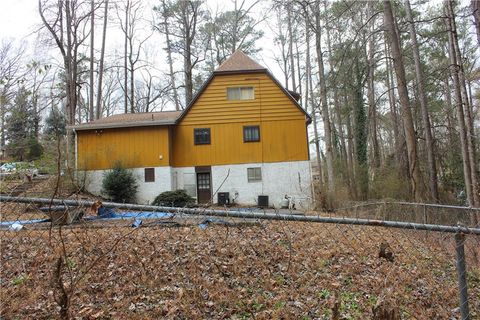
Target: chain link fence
{"x":377,"y":261}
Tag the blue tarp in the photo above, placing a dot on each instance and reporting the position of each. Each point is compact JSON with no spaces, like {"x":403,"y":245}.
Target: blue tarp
{"x":109,"y":213}
{"x":104,"y":214}
{"x":9,"y":223}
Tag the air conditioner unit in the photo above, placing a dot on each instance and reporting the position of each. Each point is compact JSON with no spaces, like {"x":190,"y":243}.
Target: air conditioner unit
{"x":263,"y":201}
{"x":223,"y":198}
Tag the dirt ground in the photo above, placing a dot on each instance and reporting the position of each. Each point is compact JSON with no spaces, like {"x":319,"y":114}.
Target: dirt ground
{"x":271,"y":270}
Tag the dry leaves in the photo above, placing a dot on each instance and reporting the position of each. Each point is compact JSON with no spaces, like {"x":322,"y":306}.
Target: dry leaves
{"x":270,"y":271}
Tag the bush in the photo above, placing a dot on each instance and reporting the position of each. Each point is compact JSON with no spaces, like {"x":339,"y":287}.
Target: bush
{"x":120,"y":185}
{"x":35,"y":149}
{"x":178,"y":198}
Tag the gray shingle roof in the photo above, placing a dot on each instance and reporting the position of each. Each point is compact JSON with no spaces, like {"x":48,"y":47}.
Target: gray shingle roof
{"x":132,"y":120}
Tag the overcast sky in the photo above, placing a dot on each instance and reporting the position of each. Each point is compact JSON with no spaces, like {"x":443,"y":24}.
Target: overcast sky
{"x":19,"y":20}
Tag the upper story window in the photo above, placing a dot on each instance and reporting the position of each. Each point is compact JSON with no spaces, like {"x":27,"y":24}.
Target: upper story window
{"x":201,"y":135}
{"x":240,"y":93}
{"x":251,"y":134}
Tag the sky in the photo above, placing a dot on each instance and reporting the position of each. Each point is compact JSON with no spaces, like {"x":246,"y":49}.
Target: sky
{"x":19,"y":20}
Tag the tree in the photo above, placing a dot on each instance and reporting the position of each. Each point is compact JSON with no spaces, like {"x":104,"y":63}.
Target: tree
{"x":184,"y":20}
{"x":323,"y":97}
{"x":414,"y":167}
{"x":120,"y":185}
{"x":92,"y":62}
{"x":22,"y":143}
{"x":465,"y":124}
{"x":163,"y":27}
{"x":66,"y":20}
{"x":11,"y":72}
{"x":232,"y":30}
{"x":55,"y":123}
{"x":101,"y":68}
{"x":133,"y":46}
{"x":432,"y":167}
{"x":476,"y":17}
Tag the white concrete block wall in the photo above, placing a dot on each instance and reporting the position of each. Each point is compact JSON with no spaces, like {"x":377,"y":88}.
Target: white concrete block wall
{"x":184,"y":178}
{"x":147,"y":191}
{"x":278,"y":179}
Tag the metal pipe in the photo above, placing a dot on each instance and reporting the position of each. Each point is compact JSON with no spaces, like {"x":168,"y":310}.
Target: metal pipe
{"x":462,"y":276}
{"x":431,"y":205}
{"x":252,"y":215}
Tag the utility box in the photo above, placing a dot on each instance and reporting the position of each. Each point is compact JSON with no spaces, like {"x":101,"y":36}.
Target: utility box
{"x":263,"y":201}
{"x":223,"y":198}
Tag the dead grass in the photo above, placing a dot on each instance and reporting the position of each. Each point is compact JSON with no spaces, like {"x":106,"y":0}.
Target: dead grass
{"x":272,"y":271}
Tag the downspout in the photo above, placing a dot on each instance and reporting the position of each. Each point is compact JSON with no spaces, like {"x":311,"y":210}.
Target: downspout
{"x":312,"y":186}
{"x":76,"y":151}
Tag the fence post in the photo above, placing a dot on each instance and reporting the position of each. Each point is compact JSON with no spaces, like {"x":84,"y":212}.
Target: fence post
{"x":425,"y":214}
{"x":462,"y":275}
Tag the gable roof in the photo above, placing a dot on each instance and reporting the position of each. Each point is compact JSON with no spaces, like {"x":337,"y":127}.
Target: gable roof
{"x":132,"y":120}
{"x":237,"y":63}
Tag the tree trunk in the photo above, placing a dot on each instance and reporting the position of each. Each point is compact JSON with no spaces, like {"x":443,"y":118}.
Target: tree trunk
{"x":429,"y":142}
{"x":476,"y":16}
{"x":324,"y":102}
{"x":350,"y":153}
{"x":465,"y":118}
{"x":125,"y":60}
{"x":169,"y":58}
{"x":101,"y":67}
{"x":410,"y":138}
{"x":132,"y":76}
{"x":336,"y":102}
{"x":290,"y":44}
{"x":372,"y":108}
{"x":361,"y":139}
{"x":299,"y":73}
{"x":312,"y":106}
{"x":92,"y":58}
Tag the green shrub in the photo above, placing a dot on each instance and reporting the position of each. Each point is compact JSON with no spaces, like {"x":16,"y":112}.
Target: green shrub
{"x":177,"y":198}
{"x":120,"y":185}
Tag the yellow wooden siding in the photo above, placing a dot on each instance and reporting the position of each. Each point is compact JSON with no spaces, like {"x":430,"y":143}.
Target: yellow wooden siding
{"x":270,"y":103}
{"x":132,"y":147}
{"x":283,"y":134}
{"x":279,"y":141}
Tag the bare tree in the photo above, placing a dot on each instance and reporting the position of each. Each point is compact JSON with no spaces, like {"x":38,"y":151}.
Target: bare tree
{"x":281,"y":42}
{"x":10,"y":73}
{"x":185,"y":18}
{"x":91,"y":99}
{"x":66,"y":22}
{"x":101,"y":69}
{"x":165,"y":29}
{"x":323,"y":98}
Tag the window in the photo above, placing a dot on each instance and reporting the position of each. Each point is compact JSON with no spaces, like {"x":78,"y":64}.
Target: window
{"x":203,"y":180}
{"x":149,"y":174}
{"x":201,"y":136}
{"x":240,"y":93}
{"x":254,"y":174}
{"x":251,"y":134}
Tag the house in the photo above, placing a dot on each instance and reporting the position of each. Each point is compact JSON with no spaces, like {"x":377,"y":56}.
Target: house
{"x":242,"y":133}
